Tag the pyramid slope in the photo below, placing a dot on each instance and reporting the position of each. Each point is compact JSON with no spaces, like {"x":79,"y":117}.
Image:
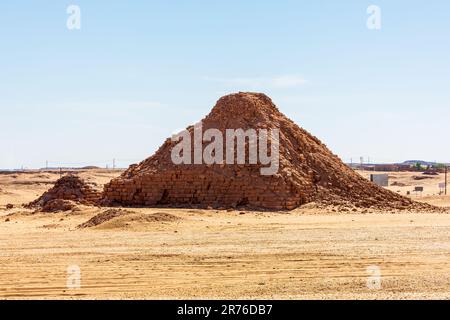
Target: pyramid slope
{"x":308,"y":170}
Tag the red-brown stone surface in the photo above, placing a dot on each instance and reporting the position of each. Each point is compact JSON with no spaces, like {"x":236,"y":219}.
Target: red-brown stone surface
{"x":308,"y":171}
{"x":70,"y":188}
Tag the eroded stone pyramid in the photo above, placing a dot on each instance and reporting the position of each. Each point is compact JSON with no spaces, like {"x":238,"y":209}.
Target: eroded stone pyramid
{"x":67,"y":188}
{"x":308,"y":171}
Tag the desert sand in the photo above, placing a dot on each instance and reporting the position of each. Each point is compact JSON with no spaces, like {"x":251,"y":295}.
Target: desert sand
{"x":162,"y":253}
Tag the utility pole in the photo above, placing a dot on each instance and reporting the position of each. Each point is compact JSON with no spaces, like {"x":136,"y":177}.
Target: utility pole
{"x":446,"y":170}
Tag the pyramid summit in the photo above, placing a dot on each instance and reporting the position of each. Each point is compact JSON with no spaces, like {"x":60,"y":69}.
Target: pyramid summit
{"x":306,"y":170}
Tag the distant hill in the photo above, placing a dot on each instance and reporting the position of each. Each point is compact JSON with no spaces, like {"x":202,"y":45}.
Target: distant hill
{"x":423,"y":163}
{"x":414,"y":162}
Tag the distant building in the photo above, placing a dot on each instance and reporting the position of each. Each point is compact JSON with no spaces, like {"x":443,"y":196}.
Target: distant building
{"x":381,"y":180}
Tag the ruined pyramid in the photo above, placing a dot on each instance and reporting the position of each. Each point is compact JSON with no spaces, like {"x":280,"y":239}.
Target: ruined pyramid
{"x":67,"y":188}
{"x":307,"y":170}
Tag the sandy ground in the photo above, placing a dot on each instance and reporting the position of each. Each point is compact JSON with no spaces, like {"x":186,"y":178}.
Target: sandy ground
{"x":404,"y":182}
{"x":220,"y":254}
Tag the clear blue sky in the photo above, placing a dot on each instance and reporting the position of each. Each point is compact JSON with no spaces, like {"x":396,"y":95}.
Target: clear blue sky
{"x":137,"y":71}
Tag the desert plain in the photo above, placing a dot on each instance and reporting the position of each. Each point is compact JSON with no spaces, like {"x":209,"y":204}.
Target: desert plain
{"x":176,"y":253}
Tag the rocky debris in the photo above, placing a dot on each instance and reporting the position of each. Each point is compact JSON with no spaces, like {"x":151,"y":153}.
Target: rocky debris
{"x":65,"y":194}
{"x":399,"y":184}
{"x":308,"y":171}
{"x":9,"y":206}
{"x":57,"y":205}
{"x":51,"y":226}
{"x":103,"y":217}
{"x":131,"y":216}
{"x":418,"y":178}
{"x":431,"y":172}
{"x":155,"y":217}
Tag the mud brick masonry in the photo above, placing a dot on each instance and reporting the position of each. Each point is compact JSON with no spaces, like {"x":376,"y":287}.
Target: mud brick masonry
{"x":308,"y":171}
